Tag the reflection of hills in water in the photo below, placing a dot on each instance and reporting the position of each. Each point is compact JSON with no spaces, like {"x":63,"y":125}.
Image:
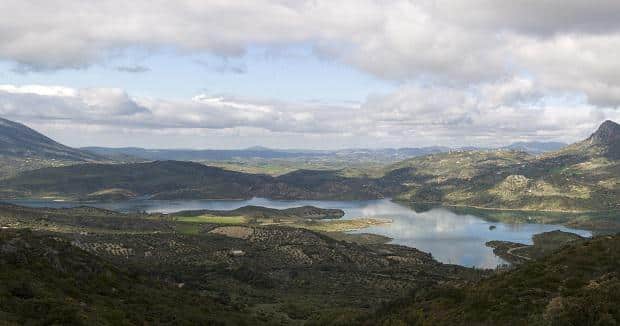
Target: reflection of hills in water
{"x":451,"y":235}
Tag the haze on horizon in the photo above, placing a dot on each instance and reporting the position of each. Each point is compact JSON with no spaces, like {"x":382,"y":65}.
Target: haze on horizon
{"x":309,"y":74}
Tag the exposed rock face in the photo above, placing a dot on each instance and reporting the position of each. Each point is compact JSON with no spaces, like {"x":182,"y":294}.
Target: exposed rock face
{"x":607,"y":136}
{"x":515,"y":182}
{"x":607,"y":133}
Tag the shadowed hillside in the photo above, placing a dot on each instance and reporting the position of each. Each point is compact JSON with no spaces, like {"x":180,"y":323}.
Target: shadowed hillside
{"x":579,"y":285}
{"x":45,"y":280}
{"x":184,"y":180}
{"x":22,"y":149}
{"x":17,"y":140}
{"x":89,"y":266}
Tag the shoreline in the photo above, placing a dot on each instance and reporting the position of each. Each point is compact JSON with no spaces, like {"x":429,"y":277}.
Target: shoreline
{"x":404,"y":202}
{"x":440,"y":204}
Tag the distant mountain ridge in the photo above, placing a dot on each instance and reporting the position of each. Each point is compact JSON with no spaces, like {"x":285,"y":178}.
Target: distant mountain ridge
{"x":381,"y":154}
{"x":20,"y":141}
{"x":196,"y":155}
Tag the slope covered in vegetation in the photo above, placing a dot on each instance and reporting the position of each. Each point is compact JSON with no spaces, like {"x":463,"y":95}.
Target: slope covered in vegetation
{"x":44,"y":280}
{"x":578,"y":285}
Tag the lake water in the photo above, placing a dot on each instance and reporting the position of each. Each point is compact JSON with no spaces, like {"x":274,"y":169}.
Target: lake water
{"x":448,"y":236}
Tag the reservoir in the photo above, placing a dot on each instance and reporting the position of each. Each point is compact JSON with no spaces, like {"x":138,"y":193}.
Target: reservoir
{"x":451,"y":237}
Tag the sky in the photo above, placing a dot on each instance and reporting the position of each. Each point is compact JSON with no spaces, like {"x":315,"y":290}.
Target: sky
{"x":309,"y":74}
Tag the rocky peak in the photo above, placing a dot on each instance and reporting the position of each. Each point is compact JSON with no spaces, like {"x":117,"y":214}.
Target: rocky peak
{"x":607,"y":133}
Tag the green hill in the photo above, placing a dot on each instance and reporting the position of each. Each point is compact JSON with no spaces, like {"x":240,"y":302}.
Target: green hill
{"x":580,"y":177}
{"x":45,"y":280}
{"x":184,"y":180}
{"x":22,"y":149}
{"x":579,"y":285}
{"x":97,"y":267}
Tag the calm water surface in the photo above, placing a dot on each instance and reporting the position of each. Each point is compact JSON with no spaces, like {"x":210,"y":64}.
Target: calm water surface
{"x":449,"y":237}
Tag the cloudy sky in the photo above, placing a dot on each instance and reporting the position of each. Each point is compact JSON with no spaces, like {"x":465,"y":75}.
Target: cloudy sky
{"x":309,"y":74}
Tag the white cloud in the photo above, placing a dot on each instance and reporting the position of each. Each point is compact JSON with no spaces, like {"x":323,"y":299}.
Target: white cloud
{"x":469,"y":71}
{"x":567,"y":44}
{"x":39,"y":90}
{"x":391,"y":39}
{"x":586,"y":64}
{"x":491,"y":114}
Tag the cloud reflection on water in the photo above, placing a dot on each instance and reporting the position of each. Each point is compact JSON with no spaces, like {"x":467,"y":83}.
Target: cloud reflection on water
{"x":448,"y":236}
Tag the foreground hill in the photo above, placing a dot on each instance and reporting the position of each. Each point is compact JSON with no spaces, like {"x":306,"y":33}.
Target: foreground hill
{"x":22,"y":148}
{"x":47,"y":281}
{"x":579,"y":285}
{"x":97,"y":267}
{"x":87,"y":266}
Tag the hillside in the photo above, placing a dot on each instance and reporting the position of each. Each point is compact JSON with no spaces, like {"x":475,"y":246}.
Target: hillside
{"x":580,"y":177}
{"x":184,"y":180}
{"x":161,"y":179}
{"x":353,"y":162}
{"x":17,"y":140}
{"x":47,"y":281}
{"x":90,"y":266}
{"x":22,"y":148}
{"x":535,"y":147}
{"x":579,"y":285}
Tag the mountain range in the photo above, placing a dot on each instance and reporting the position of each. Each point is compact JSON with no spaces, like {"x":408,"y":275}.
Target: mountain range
{"x":370,"y":154}
{"x":579,"y":177}
{"x":20,"y":141}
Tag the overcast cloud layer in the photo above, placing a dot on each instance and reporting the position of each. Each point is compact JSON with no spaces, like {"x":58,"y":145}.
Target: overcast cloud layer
{"x":470,"y":72}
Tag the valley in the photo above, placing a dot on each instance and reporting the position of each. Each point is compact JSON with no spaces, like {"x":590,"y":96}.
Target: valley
{"x":309,"y":163}
{"x":305,"y":238}
{"x":265,"y":273}
{"x":434,"y":230}
{"x":88,"y":265}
